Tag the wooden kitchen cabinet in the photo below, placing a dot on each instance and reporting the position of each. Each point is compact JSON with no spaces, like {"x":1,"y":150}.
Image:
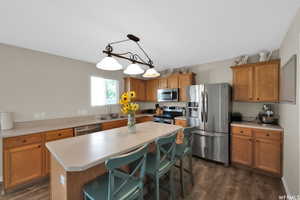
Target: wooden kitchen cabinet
{"x":259,"y":149}
{"x":268,"y":155}
{"x":242,"y":150}
{"x":151,"y":90}
{"x":181,"y":122}
{"x":185,"y":80}
{"x":113,"y":124}
{"x":266,"y":82}
{"x":52,"y":136}
{"x":243,"y":83}
{"x":137,"y":85}
{"x":163,"y":83}
{"x":22,"y":164}
{"x":173,"y":81}
{"x":258,"y":82}
{"x":144,"y":119}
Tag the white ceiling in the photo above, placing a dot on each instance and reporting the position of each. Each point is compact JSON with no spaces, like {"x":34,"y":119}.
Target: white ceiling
{"x":174,"y":32}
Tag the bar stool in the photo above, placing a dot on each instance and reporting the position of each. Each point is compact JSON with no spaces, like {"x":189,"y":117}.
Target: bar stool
{"x":161,"y":163}
{"x":117,"y":184}
{"x":185,"y":150}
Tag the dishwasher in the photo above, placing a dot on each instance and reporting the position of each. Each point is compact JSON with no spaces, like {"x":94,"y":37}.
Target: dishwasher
{"x":84,"y":130}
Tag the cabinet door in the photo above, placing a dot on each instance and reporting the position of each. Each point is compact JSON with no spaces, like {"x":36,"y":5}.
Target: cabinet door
{"x":268,"y":155}
{"x":180,"y":122}
{"x":22,"y":164}
{"x":151,"y":90}
{"x":141,"y":90}
{"x":243,"y":83}
{"x":173,"y":81}
{"x":184,"y":81}
{"x":266,"y":82}
{"x":162,"y":83}
{"x":242,"y":150}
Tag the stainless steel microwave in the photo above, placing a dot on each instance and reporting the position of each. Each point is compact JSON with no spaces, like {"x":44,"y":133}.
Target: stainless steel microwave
{"x":164,"y":95}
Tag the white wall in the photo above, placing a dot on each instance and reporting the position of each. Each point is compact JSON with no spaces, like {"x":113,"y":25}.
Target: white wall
{"x":290,"y":113}
{"x":32,"y":83}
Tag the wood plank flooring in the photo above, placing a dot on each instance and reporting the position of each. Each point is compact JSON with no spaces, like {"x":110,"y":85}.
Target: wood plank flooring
{"x":212,"y":182}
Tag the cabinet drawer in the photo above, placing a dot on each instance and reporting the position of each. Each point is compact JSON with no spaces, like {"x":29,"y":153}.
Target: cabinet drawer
{"x":113,"y":124}
{"x":144,"y":119}
{"x":235,"y":130}
{"x":267,"y":134}
{"x":59,"y":134}
{"x":181,"y":123}
{"x":22,"y":140}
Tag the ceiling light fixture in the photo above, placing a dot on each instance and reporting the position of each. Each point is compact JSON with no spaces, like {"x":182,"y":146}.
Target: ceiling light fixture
{"x":109,"y":63}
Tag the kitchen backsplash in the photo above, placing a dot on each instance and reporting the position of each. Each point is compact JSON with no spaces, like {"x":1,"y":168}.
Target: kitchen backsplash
{"x":248,"y":110}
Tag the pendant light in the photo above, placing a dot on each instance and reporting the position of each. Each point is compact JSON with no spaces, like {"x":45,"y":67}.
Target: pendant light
{"x":133,"y":69}
{"x":109,"y":63}
{"x":151,"y":73}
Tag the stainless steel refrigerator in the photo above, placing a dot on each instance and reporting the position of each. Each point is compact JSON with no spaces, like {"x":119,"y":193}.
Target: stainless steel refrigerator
{"x":209,"y":110}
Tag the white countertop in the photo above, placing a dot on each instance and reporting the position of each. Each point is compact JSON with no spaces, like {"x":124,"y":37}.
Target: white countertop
{"x":83,"y":152}
{"x":257,"y":125}
{"x":38,"y":126}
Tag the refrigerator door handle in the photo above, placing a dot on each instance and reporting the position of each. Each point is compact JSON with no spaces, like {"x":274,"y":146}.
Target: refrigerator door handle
{"x":202,"y":109}
{"x":206,"y":107}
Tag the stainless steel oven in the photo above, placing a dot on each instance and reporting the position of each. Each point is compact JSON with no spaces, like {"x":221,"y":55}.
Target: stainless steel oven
{"x":164,"y":95}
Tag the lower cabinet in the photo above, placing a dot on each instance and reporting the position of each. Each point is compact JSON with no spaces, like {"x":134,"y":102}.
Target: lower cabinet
{"x":242,"y":150}
{"x":268,"y":155}
{"x":181,"y":122}
{"x":259,"y":149}
{"x":144,"y":119}
{"x":22,"y":164}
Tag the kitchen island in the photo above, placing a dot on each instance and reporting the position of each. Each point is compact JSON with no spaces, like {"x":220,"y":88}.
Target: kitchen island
{"x":76,"y":161}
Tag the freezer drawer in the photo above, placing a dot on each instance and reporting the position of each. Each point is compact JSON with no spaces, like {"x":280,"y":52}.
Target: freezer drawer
{"x":212,"y":146}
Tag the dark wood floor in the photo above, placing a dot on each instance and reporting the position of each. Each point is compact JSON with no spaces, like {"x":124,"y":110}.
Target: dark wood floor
{"x":212,"y":182}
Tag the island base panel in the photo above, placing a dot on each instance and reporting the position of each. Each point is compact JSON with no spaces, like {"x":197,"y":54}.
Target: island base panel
{"x":73,"y":181}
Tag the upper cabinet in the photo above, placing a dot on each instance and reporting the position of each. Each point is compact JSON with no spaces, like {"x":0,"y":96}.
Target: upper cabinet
{"x":151,"y":89}
{"x":185,"y":80}
{"x":257,"y":82}
{"x":137,"y":85}
{"x":146,"y":90}
{"x":173,"y":81}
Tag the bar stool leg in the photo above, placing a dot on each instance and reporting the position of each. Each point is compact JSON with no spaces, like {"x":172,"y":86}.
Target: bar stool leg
{"x":181,"y":177}
{"x":191,"y":168}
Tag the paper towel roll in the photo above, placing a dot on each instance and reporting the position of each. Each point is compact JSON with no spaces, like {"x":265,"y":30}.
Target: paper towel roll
{"x":6,"y":120}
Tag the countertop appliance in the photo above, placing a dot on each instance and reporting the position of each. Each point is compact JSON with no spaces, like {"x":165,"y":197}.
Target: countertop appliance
{"x":88,"y":129}
{"x":209,"y":110}
{"x":167,"y":95}
{"x":266,"y":116}
{"x":168,"y":114}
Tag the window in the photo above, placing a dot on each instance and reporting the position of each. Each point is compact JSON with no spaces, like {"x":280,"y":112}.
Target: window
{"x":104,"y":91}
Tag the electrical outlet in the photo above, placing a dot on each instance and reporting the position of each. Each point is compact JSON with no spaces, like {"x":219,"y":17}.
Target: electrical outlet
{"x":62,"y":180}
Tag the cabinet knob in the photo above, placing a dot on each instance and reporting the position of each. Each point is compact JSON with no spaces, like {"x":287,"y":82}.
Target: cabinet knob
{"x":242,"y":131}
{"x":250,"y":140}
{"x":257,"y":98}
{"x":59,"y":134}
{"x":268,"y":134}
{"x":24,"y":141}
{"x":39,"y":146}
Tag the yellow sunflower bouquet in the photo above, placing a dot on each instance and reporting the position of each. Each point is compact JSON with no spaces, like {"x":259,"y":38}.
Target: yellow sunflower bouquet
{"x":127,"y":104}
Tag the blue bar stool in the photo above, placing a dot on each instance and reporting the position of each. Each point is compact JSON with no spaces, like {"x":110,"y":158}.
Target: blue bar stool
{"x":183,"y":150}
{"x":161,"y":162}
{"x":117,"y":184}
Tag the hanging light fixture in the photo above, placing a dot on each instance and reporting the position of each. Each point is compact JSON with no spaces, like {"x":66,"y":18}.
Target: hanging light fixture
{"x":133,"y":69}
{"x":151,"y":73}
{"x":109,"y":63}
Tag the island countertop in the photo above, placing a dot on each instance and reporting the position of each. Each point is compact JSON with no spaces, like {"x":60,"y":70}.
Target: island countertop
{"x":83,"y":152}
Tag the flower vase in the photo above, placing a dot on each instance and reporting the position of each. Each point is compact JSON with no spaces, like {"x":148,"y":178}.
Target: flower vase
{"x":131,"y":123}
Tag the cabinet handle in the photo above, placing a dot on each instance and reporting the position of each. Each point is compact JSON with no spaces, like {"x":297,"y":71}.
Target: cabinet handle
{"x":250,"y":140}
{"x":256,"y":140}
{"x":59,"y":134}
{"x":39,"y":146}
{"x":24,"y":141}
{"x":268,"y":134}
{"x":242,"y":131}
{"x":257,"y":98}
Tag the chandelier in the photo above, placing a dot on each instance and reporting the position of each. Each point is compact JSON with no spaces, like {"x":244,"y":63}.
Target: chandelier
{"x":110,"y":63}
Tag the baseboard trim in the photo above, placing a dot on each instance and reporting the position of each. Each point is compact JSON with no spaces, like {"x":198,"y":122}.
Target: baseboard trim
{"x":287,"y":191}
